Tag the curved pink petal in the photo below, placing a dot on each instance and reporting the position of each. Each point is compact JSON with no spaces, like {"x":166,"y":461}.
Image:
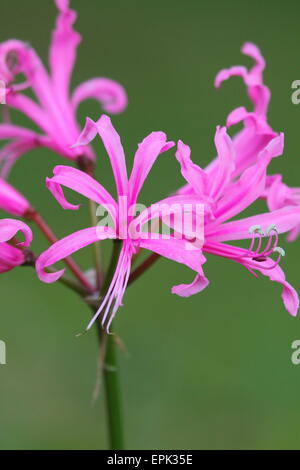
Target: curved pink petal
{"x":148,"y":151}
{"x":192,"y":173}
{"x":253,"y":51}
{"x":12,"y":201}
{"x":293,"y":234}
{"x":10,"y":227}
{"x":10,"y":131}
{"x":186,"y":290}
{"x":83,"y":184}
{"x":224,"y":166}
{"x":175,"y":249}
{"x":239,"y":195}
{"x":10,"y":257}
{"x":110,"y":94}
{"x":285,"y":219}
{"x":257,"y":91}
{"x":65,"y":247}
{"x":33,"y":110}
{"x":251,"y":140}
{"x":10,"y":153}
{"x":113,"y":146}
{"x":289,"y":295}
{"x":62,"y":53}
{"x":27,"y":62}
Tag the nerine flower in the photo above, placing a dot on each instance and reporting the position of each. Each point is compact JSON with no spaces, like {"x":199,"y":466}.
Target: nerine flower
{"x":256,"y":132}
{"x":228,"y":199}
{"x":12,"y":256}
{"x":54,"y":110}
{"x":126,"y":227}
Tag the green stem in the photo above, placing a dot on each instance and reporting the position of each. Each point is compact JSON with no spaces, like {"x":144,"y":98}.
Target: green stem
{"x":112,"y":391}
{"x":110,"y":370}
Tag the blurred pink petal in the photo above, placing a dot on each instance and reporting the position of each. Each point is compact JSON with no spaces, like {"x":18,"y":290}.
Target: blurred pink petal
{"x":11,"y":201}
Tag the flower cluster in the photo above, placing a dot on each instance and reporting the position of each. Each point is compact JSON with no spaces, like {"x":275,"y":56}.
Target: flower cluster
{"x":198,"y":216}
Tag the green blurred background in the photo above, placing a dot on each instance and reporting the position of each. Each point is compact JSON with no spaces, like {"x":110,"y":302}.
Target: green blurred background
{"x":213,"y":371}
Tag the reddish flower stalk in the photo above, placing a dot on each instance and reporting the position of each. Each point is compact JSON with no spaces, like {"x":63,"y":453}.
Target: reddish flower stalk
{"x":35,"y":217}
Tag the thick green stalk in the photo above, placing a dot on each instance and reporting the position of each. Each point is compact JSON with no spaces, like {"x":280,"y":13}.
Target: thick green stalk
{"x":110,"y":369}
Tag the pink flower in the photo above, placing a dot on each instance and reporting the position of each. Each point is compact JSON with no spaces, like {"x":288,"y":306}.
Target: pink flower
{"x":125,"y":225}
{"x":11,"y":201}
{"x":256,"y":132}
{"x":228,"y":199}
{"x":55,"y":110}
{"x":11,"y":256}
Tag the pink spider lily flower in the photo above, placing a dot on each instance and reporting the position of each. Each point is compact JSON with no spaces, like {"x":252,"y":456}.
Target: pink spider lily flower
{"x":11,"y":256}
{"x":256,"y":132}
{"x":124,"y":221}
{"x":11,"y":201}
{"x":54,"y":110}
{"x":228,"y":200}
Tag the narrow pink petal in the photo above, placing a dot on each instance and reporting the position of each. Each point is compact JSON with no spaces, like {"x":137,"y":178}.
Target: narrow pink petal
{"x":10,"y":227}
{"x":289,"y":294}
{"x":251,"y":140}
{"x":241,"y":194}
{"x":33,"y":111}
{"x":224,"y":167}
{"x":10,"y":153}
{"x":110,"y":94}
{"x":253,"y":51}
{"x":277,"y":193}
{"x":285,"y":219}
{"x":62,"y":54}
{"x":148,"y":151}
{"x":11,"y":200}
{"x":221,"y":249}
{"x":113,"y":146}
{"x":192,"y":173}
{"x":83,"y":184}
{"x":186,"y":290}
{"x":10,"y":131}
{"x":225,"y":74}
{"x":29,"y":64}
{"x":10,"y":257}
{"x":257,"y":91}
{"x":178,"y":250}
{"x":293,"y":234}
{"x":65,"y":247}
